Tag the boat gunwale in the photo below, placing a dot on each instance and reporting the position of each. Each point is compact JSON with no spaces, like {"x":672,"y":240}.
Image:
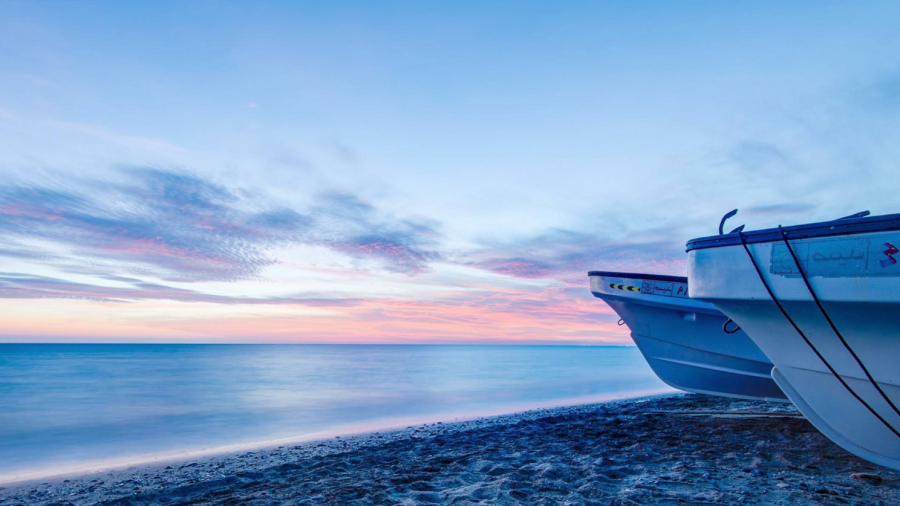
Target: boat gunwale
{"x":662,"y":302}
{"x":638,"y":275}
{"x":846,"y":226}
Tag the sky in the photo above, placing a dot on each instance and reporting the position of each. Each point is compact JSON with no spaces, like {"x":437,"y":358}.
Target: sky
{"x":413,"y":172}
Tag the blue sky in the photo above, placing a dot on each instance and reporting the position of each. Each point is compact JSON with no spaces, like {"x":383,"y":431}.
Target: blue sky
{"x":408,"y":172}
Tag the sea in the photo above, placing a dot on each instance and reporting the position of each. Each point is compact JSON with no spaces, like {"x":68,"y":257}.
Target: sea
{"x":76,"y":407}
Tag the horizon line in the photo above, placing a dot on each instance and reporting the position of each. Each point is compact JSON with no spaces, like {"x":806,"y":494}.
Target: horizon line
{"x":147,"y":343}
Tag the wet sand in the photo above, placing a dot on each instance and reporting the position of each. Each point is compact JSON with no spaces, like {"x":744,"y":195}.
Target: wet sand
{"x":686,"y":449}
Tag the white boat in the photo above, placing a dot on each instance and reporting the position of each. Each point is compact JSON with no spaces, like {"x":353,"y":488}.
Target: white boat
{"x":823,"y":302}
{"x":683,"y":340}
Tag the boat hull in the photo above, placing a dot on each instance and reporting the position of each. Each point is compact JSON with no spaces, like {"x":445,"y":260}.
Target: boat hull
{"x":683,"y":340}
{"x":862,"y":299}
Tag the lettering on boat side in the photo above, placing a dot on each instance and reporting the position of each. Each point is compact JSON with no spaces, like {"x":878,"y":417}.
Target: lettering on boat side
{"x":664,"y":288}
{"x":838,"y":257}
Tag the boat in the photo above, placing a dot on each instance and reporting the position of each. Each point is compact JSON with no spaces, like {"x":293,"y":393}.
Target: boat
{"x":689,"y":344}
{"x":822,"y":300}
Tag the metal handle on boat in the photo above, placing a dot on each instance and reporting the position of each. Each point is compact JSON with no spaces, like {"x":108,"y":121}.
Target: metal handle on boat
{"x":725,"y":327}
{"x":620,"y":322}
{"x":724,"y":219}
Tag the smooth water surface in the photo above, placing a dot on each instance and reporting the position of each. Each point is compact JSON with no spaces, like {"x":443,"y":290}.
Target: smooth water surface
{"x":63,"y":405}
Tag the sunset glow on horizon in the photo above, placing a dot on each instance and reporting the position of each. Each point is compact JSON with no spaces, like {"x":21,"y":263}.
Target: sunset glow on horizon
{"x":408,"y":173}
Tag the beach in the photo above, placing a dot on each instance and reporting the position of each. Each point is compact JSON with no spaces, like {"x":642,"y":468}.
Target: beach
{"x":678,"y":448}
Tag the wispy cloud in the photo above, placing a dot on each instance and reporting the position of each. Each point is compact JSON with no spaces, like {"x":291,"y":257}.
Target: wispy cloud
{"x":349,"y":225}
{"x":178,"y":226}
{"x":552,"y":314}
{"x":832,"y":154}
{"x":789,"y":209}
{"x":756,"y":155}
{"x":29,"y":286}
{"x":183,"y":227}
{"x":560,"y":253}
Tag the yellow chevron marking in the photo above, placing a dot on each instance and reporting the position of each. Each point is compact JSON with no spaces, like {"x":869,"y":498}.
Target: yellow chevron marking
{"x":627,"y":288}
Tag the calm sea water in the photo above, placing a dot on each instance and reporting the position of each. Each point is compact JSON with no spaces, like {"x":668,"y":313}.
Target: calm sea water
{"x":65,"y":405}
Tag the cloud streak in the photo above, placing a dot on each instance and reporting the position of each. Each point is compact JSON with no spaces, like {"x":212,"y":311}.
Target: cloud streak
{"x":348,"y":225}
{"x":28,"y":286}
{"x":562,"y":253}
{"x":180,"y":227}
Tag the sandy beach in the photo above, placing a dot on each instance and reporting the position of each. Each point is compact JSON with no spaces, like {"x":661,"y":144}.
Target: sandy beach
{"x":671,"y":449}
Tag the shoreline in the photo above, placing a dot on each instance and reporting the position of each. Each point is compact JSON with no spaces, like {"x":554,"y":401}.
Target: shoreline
{"x":357,"y":430}
{"x":648,"y":450}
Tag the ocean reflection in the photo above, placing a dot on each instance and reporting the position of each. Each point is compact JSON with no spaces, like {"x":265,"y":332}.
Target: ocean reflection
{"x":67,"y":404}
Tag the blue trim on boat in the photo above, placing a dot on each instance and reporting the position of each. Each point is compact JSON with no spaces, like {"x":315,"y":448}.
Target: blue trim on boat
{"x":637,"y":275}
{"x":845,"y":226}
